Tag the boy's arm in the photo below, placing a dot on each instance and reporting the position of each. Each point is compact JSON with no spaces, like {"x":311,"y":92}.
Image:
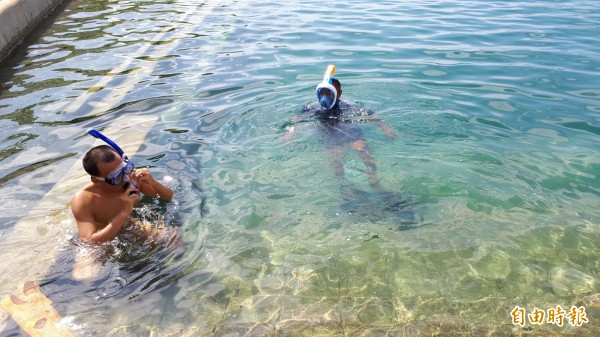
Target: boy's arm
{"x":86,"y":224}
{"x":150,"y":186}
{"x":302,"y":116}
{"x":111,"y":230}
{"x":370,"y":117}
{"x":298,"y":118}
{"x":387,"y":130}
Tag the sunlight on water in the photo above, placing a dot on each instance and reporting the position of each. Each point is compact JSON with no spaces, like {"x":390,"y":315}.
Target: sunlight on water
{"x":488,"y":197}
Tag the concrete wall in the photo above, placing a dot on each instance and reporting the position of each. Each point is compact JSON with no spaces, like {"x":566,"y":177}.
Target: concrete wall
{"x":19,"y":17}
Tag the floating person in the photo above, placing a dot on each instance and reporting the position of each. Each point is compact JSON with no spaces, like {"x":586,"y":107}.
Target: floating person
{"x":339,"y":122}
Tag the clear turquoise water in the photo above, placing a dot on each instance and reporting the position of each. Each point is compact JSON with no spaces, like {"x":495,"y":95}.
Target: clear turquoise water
{"x":495,"y":105}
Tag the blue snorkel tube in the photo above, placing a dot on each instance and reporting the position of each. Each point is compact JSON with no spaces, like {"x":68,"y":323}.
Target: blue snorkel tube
{"x":97,"y":134}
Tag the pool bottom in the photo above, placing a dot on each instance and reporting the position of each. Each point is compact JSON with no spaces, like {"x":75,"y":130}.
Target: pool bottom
{"x":345,"y":323}
{"x":370,"y":291}
{"x":375,"y":291}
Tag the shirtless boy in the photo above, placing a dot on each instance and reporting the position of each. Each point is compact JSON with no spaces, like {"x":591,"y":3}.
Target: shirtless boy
{"x":103,"y":206}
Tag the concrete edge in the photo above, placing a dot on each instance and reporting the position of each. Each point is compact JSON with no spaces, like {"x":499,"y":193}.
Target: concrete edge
{"x":18,"y":18}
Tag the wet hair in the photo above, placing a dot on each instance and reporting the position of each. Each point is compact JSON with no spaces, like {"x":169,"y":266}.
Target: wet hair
{"x":98,"y":154}
{"x":337,"y":85}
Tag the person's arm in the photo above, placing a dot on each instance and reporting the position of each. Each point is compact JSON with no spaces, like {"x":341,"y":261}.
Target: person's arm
{"x":86,"y":224}
{"x":150,"y":186}
{"x":372,"y":118}
{"x":301,"y":117}
{"x":387,"y":130}
{"x":112,"y":229}
{"x":290,"y":127}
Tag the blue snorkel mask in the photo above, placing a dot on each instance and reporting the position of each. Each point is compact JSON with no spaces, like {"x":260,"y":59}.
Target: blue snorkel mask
{"x":121,"y":175}
{"x":326,"y":93}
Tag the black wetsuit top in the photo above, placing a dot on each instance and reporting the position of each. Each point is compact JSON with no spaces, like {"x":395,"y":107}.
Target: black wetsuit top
{"x":338,"y":125}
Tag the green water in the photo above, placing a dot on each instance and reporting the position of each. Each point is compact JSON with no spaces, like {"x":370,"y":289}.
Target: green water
{"x":496,"y":110}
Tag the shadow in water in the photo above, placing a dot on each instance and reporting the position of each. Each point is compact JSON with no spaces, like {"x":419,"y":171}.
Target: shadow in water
{"x":120,"y":272}
{"x":379,"y":206}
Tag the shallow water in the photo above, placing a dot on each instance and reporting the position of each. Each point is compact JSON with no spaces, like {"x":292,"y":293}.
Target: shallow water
{"x":496,"y":111}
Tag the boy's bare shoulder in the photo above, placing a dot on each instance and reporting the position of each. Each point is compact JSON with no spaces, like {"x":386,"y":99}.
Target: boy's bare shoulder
{"x":83,"y":196}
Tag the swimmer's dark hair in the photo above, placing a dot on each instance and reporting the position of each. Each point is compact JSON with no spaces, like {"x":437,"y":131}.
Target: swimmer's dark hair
{"x":98,"y":154}
{"x":337,"y":85}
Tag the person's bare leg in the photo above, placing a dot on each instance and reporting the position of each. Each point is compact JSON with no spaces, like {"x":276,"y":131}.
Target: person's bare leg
{"x":337,"y":163}
{"x":363,"y":152}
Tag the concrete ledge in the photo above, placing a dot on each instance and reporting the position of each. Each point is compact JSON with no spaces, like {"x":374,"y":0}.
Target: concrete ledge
{"x":18,"y":18}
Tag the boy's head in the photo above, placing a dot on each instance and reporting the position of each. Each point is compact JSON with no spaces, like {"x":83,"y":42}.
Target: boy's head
{"x":99,"y":154}
{"x":103,"y":163}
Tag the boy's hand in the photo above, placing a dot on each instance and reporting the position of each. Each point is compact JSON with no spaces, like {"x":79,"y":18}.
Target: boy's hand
{"x":143,"y":175}
{"x":130,"y":197}
{"x":148,"y":185}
